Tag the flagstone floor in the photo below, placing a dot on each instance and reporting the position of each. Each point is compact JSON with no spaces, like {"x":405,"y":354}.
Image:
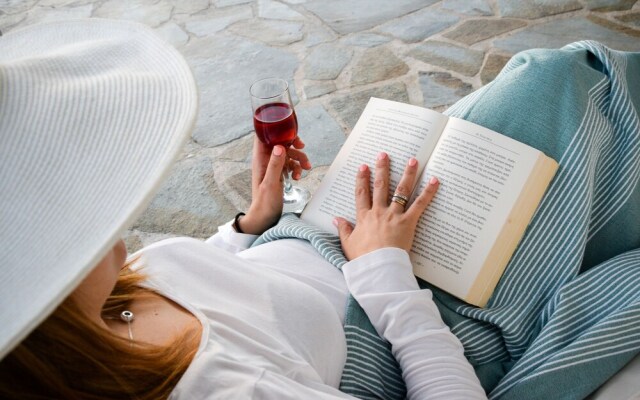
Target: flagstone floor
{"x":336,"y":54}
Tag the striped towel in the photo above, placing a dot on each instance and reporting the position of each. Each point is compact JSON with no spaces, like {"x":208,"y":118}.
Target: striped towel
{"x":566,"y":313}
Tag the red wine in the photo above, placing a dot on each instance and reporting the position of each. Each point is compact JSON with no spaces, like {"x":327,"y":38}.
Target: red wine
{"x":276,"y":123}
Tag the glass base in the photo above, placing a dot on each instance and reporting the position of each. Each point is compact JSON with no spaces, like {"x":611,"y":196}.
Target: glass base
{"x":295,"y":200}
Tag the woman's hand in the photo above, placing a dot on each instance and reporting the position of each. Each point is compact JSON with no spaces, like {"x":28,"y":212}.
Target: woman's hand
{"x":380,"y":223}
{"x":266,"y":183}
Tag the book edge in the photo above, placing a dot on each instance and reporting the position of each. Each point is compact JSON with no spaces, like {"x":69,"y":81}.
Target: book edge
{"x":512,"y":232}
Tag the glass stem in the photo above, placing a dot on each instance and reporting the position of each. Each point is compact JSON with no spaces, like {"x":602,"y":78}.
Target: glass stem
{"x":286,"y":179}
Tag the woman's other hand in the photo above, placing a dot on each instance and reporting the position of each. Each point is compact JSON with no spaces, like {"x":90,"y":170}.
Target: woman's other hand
{"x":379,"y":223}
{"x":266,"y":183}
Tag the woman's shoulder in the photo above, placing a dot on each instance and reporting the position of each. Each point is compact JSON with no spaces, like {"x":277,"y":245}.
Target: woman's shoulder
{"x":173,"y":243}
{"x":189,"y":256}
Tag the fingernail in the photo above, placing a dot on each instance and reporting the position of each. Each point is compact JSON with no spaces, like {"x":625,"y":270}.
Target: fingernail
{"x":277,"y":151}
{"x":413,"y":162}
{"x":382,"y":156}
{"x":433,"y":180}
{"x":364,"y":167}
{"x":335,"y":222}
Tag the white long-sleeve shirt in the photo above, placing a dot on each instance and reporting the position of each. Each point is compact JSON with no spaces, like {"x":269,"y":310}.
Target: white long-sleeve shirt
{"x":272,"y":319}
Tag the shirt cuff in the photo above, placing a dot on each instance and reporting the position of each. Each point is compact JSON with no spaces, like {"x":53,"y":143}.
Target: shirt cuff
{"x":384,"y":270}
{"x":227,"y":238}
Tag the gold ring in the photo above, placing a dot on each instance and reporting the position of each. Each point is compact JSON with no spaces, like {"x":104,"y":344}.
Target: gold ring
{"x":400,"y":199}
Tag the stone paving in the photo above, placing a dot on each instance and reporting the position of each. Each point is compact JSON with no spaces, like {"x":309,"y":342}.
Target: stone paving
{"x":336,"y":54}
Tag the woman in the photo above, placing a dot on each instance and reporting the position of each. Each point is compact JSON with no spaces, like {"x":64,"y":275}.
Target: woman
{"x":92,"y":113}
{"x":109,"y":106}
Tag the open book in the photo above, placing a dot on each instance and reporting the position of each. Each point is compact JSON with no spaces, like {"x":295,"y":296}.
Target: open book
{"x":490,"y":187}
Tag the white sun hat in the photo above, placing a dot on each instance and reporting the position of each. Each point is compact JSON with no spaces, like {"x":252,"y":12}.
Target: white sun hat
{"x":92,"y":115}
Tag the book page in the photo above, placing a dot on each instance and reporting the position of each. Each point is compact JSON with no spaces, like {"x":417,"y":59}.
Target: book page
{"x":401,"y":130}
{"x":482,"y":173}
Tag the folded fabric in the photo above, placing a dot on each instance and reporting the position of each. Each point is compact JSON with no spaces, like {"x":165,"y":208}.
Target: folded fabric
{"x":566,"y":313}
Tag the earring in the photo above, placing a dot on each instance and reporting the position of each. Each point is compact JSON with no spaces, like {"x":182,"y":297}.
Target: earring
{"x":127,"y":316}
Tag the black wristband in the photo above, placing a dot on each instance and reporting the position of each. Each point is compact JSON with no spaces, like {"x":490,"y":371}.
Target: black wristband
{"x":236,"y":225}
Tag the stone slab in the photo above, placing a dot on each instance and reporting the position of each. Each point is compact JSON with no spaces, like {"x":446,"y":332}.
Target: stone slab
{"x":317,"y":34}
{"x":209,"y":23}
{"x":317,"y":89}
{"x":173,"y":33}
{"x":441,"y":89}
{"x":492,"y":67}
{"x":273,"y":10}
{"x":557,"y":33}
{"x":234,"y":183}
{"x":609,"y":5}
{"x":238,"y":151}
{"x":176,"y":222}
{"x":449,"y":56}
{"x":293,"y":92}
{"x":365,"y":39}
{"x":533,"y":9}
{"x":149,"y":12}
{"x":419,"y":25}
{"x":349,"y":107}
{"x":64,"y":3}
{"x":631,"y":19}
{"x":40,"y":14}
{"x":9,"y":21}
{"x":326,"y":61}
{"x":189,"y":203}
{"x":271,"y":32}
{"x":190,"y":7}
{"x":321,"y":134}
{"x":468,"y":7}
{"x":377,"y":65}
{"x":225,"y":67}
{"x":16,"y":6}
{"x":347,"y":16}
{"x":188,"y":188}
{"x":227,"y":3}
{"x":133,"y":241}
{"x":614,"y":26}
{"x":476,"y":30}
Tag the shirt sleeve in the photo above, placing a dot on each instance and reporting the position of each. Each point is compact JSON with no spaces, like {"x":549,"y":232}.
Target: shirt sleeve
{"x":431,"y":357}
{"x":228,"y":239}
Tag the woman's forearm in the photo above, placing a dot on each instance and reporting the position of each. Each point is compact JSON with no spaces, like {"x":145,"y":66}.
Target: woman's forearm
{"x":431,"y":357}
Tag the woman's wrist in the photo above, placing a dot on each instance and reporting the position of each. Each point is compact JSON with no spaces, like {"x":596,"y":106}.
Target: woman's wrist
{"x":242,"y":225}
{"x":250,"y":224}
{"x":236,"y":222}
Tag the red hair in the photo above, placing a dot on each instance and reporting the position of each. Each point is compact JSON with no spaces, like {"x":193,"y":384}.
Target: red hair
{"x":70,"y":357}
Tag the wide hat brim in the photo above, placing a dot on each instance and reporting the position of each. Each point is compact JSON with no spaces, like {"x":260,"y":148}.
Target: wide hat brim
{"x":92,"y":115}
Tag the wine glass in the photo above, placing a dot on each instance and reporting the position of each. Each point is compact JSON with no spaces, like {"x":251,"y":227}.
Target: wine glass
{"x":275,"y":122}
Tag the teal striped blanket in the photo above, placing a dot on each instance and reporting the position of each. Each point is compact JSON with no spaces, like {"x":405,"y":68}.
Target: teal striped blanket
{"x":566,"y":313}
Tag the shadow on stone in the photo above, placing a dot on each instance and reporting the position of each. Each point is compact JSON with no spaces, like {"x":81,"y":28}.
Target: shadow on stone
{"x":441,"y":89}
